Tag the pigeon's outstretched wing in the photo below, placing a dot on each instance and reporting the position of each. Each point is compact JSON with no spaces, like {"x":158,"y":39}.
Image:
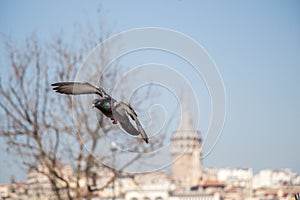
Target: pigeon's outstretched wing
{"x":76,"y":88}
{"x":121,"y":112}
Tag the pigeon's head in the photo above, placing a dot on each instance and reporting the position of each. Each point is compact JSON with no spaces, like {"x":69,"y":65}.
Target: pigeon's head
{"x":102,"y":104}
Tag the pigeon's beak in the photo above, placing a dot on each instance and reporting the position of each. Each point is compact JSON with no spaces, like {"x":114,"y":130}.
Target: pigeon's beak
{"x":94,"y":103}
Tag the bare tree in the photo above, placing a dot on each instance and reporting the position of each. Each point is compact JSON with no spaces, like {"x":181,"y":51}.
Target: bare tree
{"x":38,"y":124}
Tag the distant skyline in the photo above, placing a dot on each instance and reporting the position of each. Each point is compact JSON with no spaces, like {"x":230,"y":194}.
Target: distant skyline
{"x":255,"y":45}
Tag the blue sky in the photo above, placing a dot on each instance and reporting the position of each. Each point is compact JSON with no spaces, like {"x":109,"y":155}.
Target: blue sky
{"x":255,"y":45}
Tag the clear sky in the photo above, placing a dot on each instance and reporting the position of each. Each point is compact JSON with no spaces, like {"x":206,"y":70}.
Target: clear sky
{"x":255,"y":44}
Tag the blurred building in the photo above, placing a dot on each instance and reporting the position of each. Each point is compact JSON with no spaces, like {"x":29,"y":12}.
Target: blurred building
{"x":39,"y":185}
{"x":187,"y":180}
{"x":276,"y":184}
{"x":274,"y":179}
{"x":186,"y":150}
{"x":4,"y":191}
{"x":234,"y":183}
{"x":236,"y":176}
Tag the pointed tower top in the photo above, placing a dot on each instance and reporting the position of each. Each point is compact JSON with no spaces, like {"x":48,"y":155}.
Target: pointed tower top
{"x":187,"y":123}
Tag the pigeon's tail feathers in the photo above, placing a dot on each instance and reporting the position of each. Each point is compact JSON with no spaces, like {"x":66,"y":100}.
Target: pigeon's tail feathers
{"x":145,"y":137}
{"x":129,"y":128}
{"x":140,"y":128}
{"x":142,"y":131}
{"x":146,"y":140}
{"x":77,"y":88}
{"x":121,"y":109}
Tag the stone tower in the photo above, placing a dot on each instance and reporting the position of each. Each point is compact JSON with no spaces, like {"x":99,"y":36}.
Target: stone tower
{"x":186,"y":147}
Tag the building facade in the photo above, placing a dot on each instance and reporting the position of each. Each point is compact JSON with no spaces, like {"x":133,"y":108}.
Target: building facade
{"x":186,"y":151}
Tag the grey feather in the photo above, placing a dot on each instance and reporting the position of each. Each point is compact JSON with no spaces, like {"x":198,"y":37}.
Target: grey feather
{"x":121,"y":112}
{"x":76,"y":88}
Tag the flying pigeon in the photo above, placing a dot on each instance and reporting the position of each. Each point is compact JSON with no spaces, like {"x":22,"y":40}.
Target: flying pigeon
{"x":116,"y":111}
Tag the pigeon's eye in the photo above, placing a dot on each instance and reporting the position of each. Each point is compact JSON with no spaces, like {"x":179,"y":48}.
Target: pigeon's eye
{"x":106,"y":105}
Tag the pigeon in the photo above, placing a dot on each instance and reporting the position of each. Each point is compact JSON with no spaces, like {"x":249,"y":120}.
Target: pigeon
{"x":111,"y":108}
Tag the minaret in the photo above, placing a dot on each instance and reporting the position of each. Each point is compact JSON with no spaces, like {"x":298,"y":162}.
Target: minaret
{"x":186,"y":147}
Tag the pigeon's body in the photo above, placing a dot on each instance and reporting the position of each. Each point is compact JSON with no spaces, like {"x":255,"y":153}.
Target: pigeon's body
{"x":116,"y":111}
